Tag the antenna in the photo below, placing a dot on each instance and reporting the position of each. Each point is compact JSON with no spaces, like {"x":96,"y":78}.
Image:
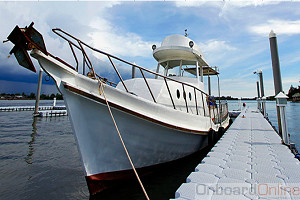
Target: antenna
{"x":185,"y":33}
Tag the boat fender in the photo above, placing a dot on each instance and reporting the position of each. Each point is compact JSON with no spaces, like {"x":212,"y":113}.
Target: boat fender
{"x":221,"y":132}
{"x":210,"y":138}
{"x":216,"y":136}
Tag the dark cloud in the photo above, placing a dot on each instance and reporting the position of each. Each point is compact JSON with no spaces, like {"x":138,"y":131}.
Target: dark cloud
{"x":10,"y":87}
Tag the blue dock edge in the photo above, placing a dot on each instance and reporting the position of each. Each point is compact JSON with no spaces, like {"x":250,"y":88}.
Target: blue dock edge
{"x":248,"y":162}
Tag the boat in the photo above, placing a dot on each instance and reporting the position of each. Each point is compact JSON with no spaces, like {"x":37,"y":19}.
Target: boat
{"x":162,"y":117}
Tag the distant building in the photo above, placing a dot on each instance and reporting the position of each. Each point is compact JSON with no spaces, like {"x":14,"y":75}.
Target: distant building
{"x":296,"y":97}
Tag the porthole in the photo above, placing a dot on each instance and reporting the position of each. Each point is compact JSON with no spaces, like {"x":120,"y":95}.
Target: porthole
{"x":178,"y":94}
{"x":190,"y":96}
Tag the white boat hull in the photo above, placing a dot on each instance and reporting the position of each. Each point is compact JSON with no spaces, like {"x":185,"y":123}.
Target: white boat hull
{"x":147,"y":143}
{"x":153,"y":133}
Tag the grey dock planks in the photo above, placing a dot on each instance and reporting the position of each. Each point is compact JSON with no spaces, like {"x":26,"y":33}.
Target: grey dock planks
{"x":248,"y":162}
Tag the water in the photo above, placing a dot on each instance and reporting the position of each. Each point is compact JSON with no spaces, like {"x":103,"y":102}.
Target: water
{"x":36,"y":156}
{"x":39,"y":158}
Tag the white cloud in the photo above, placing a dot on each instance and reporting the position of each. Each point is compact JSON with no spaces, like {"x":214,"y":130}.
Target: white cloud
{"x":111,"y":39}
{"x":245,"y":87}
{"x":216,"y":45}
{"x":279,"y":26}
{"x":216,"y":50}
{"x":255,"y":3}
{"x":189,"y":3}
{"x":291,"y":80}
{"x":90,"y":24}
{"x":232,"y":3}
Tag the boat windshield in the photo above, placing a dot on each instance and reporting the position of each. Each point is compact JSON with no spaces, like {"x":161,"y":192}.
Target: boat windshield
{"x":180,"y":71}
{"x":178,"y":68}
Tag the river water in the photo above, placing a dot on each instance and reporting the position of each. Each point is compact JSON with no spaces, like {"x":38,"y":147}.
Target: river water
{"x":39,"y":158}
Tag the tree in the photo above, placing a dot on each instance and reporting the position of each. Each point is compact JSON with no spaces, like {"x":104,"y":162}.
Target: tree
{"x":293,"y":91}
{"x":59,"y":96}
{"x":31,"y":96}
{"x":52,"y":96}
{"x":44,"y":96}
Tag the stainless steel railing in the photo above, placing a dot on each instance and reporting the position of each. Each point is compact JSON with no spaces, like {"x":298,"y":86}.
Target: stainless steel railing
{"x":75,"y":43}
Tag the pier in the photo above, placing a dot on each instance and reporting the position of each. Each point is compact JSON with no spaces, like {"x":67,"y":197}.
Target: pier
{"x":24,"y":108}
{"x":52,"y":113}
{"x":29,"y":108}
{"x":248,"y":162}
{"x":43,"y":111}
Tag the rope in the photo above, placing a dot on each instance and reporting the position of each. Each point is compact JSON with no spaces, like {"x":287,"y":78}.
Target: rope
{"x":128,"y":156}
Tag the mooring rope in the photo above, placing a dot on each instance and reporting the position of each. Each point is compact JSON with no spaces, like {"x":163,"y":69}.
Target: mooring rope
{"x":128,"y":156}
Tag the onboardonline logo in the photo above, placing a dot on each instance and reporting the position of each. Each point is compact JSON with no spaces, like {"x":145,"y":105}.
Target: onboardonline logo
{"x":266,"y":190}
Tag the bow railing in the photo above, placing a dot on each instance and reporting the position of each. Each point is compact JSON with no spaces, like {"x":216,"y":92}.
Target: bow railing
{"x":200,"y":97}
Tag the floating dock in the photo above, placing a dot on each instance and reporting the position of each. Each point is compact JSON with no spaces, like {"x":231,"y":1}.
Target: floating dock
{"x":52,"y":113}
{"x":248,"y":162}
{"x":44,"y":111}
{"x":23,"y":108}
{"x":28,"y":108}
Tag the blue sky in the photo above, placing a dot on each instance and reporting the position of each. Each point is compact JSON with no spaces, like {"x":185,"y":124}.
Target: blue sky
{"x":233,"y":35}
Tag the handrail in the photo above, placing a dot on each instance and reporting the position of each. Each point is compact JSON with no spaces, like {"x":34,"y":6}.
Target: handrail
{"x":119,"y":75}
{"x":86,"y":61}
{"x":184,"y":97}
{"x":126,"y":62}
{"x":203,"y":104}
{"x":170,"y":93}
{"x":147,"y":85}
{"x":196,"y":102}
{"x":104,"y":80}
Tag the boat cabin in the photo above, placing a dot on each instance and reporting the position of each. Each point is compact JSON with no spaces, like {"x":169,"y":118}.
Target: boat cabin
{"x":181,"y":60}
{"x":177,"y":51}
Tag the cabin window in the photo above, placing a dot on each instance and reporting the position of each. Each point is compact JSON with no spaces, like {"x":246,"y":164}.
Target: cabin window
{"x":178,"y":94}
{"x":190,"y":96}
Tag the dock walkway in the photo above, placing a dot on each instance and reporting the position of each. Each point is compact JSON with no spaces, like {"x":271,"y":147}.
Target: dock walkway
{"x":28,"y":108}
{"x":52,"y":113}
{"x":248,"y":162}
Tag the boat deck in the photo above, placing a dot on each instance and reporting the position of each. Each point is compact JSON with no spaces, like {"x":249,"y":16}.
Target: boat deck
{"x":248,"y":162}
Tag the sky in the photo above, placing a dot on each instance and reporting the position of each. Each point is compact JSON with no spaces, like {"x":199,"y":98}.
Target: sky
{"x":233,"y":35}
